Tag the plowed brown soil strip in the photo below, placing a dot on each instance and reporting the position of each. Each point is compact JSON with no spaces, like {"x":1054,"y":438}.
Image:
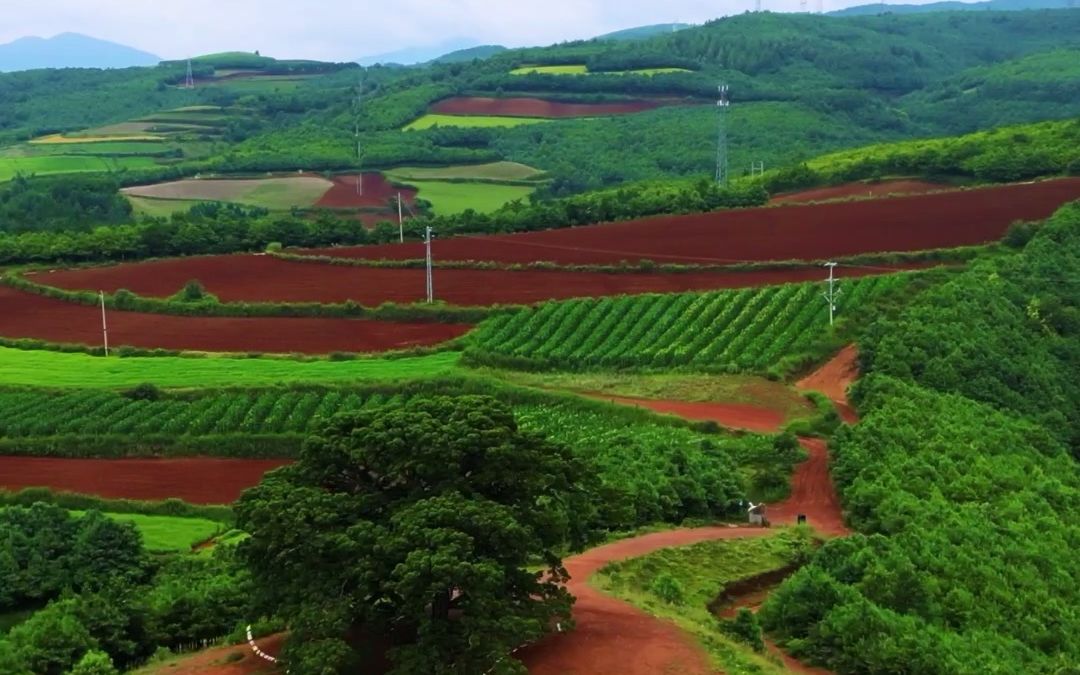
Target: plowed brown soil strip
{"x":199,"y":480}
{"x":375,"y":191}
{"x":833,"y":380}
{"x":23,"y":315}
{"x":253,"y":278}
{"x":216,"y":661}
{"x":537,"y":107}
{"x":792,"y":232}
{"x":860,"y":190}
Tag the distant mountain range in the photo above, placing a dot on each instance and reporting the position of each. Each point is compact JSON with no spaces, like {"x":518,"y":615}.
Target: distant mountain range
{"x":70,"y":50}
{"x":995,"y":5}
{"x":411,"y":56}
{"x":644,"y":32}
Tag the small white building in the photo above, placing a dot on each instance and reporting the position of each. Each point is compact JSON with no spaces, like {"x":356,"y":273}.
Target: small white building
{"x":756,"y":514}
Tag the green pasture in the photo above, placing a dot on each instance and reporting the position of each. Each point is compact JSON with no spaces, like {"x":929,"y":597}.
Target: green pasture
{"x":167,"y":534}
{"x":493,"y":171}
{"x":482,"y":121}
{"x":53,"y":164}
{"x":159,"y":208}
{"x":40,"y":368}
{"x":581,"y":69}
{"x":449,"y":198}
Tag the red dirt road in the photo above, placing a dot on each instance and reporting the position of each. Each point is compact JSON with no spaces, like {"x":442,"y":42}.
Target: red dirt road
{"x":199,"y":480}
{"x":613,"y":637}
{"x":833,"y":380}
{"x":253,"y":278}
{"x":537,"y":107}
{"x":812,"y":494}
{"x":792,"y":232}
{"x":730,"y":415}
{"x":23,"y":315}
{"x":215,"y":661}
{"x":377,"y":192}
{"x":860,"y":190}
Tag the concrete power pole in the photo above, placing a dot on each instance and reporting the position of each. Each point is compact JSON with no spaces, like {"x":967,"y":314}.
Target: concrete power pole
{"x":104,"y":325}
{"x":400,"y":221}
{"x":430,"y":281}
{"x":833,"y":292}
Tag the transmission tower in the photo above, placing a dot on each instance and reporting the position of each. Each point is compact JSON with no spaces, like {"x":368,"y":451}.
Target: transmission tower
{"x":757,"y":5}
{"x":722,"y":106}
{"x":189,"y":82}
{"x":802,"y":6}
{"x":833,"y":292}
{"x":820,"y":6}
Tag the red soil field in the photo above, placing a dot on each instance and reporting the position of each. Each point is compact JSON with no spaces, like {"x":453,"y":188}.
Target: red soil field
{"x":23,"y":315}
{"x":537,"y":107}
{"x":199,"y":480}
{"x":860,"y":190}
{"x":261,"y":277}
{"x":378,"y":192}
{"x":803,"y":232}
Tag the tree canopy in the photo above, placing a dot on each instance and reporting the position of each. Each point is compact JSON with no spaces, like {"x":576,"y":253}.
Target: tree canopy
{"x":418,"y":524}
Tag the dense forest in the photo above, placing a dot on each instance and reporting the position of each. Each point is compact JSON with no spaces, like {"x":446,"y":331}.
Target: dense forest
{"x":961,"y":478}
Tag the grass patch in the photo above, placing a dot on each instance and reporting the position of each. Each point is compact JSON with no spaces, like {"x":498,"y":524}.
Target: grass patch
{"x":58,"y":139}
{"x":494,"y":171}
{"x":167,"y":534}
{"x":693,"y":576}
{"x":451,"y":198}
{"x":693,"y":388}
{"x":275,"y":194}
{"x":159,"y":208}
{"x":483,"y":121}
{"x":57,"y":369}
{"x":574,"y":69}
{"x":53,"y":164}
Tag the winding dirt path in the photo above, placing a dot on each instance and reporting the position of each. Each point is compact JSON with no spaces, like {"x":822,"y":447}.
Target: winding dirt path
{"x":730,"y":415}
{"x":833,"y":380}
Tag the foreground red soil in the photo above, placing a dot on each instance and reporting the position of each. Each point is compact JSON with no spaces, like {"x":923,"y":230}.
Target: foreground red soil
{"x":377,"y":192}
{"x":792,"y":232}
{"x":833,"y":380}
{"x":25,"y":315}
{"x":860,"y":190}
{"x":216,"y":661}
{"x":199,"y":480}
{"x":536,"y":107}
{"x":253,"y":278}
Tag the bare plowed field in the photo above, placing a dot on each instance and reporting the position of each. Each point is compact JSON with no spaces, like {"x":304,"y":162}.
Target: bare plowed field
{"x":255,"y":278}
{"x":23,"y":315}
{"x":536,"y":107}
{"x":197,"y":480}
{"x":860,"y":190}
{"x":375,"y":191}
{"x":806,"y":232}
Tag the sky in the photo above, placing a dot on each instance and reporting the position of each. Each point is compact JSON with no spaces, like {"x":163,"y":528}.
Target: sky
{"x":344,"y":30}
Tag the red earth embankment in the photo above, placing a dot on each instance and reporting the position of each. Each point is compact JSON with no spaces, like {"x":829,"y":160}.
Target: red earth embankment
{"x":24,"y":315}
{"x":221,"y":660}
{"x":860,"y":190}
{"x":198,"y":480}
{"x":537,"y":107}
{"x":791,"y":232}
{"x":834,"y":378}
{"x":254,"y":278}
{"x":374,"y":191}
{"x":730,"y":415}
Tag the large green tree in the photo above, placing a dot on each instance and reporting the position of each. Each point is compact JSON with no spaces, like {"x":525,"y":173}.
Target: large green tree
{"x":417,"y":523}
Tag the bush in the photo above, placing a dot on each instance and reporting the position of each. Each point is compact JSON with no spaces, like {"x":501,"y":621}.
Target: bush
{"x":668,"y":588}
{"x":144,"y":392}
{"x":745,"y":628}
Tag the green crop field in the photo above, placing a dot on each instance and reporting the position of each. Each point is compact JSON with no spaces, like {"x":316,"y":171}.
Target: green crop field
{"x":493,"y":171}
{"x":481,"y":121}
{"x":581,"y":69}
{"x":52,"y":164}
{"x":168,"y":534}
{"x":276,"y":194}
{"x":159,"y":208}
{"x":56,"y":369}
{"x":728,"y":331}
{"x":450,"y":198}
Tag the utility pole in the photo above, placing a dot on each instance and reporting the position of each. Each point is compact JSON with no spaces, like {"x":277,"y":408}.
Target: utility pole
{"x":722,"y":105}
{"x":430,"y":282}
{"x":833,"y":292}
{"x":400,"y":221}
{"x":104,"y":325}
{"x":757,"y":168}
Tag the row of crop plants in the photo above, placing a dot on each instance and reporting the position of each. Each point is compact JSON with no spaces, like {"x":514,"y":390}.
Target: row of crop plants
{"x":738,"y":330}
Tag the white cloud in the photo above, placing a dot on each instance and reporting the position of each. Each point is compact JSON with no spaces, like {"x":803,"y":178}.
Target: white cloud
{"x":347,"y":29}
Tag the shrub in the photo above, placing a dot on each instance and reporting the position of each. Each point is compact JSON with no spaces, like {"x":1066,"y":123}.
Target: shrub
{"x":668,"y":588}
{"x":745,"y":628}
{"x":144,"y":392}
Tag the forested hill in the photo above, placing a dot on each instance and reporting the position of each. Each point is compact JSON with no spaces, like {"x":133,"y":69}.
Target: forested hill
{"x":994,"y":5}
